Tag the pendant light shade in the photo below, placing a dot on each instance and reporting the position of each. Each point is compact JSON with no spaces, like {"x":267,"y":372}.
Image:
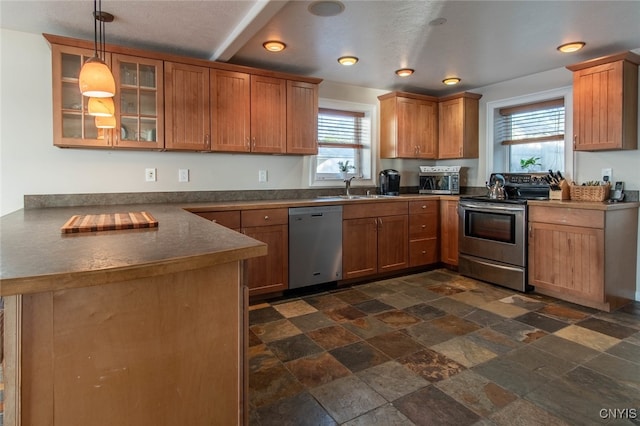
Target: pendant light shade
{"x":101,"y":107}
{"x":96,"y":79}
{"x":106,"y":122}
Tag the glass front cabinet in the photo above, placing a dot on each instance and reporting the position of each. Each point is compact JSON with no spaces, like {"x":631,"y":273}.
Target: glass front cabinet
{"x":138,"y":102}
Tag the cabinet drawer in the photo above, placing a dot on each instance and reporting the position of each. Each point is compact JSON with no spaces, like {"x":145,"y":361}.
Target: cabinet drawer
{"x":423,"y":252}
{"x":264,"y":217}
{"x":418,"y":207}
{"x":377,"y":209}
{"x":567,"y":216}
{"x":423,"y":225}
{"x":229,"y":219}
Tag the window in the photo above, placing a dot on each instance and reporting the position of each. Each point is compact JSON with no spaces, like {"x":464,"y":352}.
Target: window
{"x":344,"y":137}
{"x":534,"y":135}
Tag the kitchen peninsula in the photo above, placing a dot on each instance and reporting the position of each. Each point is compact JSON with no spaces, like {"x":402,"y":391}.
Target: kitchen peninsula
{"x":137,"y":326}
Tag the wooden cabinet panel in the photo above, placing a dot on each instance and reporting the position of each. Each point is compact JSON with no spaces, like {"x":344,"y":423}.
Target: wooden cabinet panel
{"x":229,"y":219}
{"x":393,"y":243}
{"x":268,"y":274}
{"x":605,"y":105}
{"x":187,"y":112}
{"x":375,"y":209}
{"x":423,"y":232}
{"x":139,"y":102}
{"x":359,"y":247}
{"x":265,"y":217}
{"x":268,"y":114}
{"x":449,"y":232}
{"x":458,"y":126}
{"x":423,"y":252}
{"x":302,"y":118}
{"x":231,"y":109}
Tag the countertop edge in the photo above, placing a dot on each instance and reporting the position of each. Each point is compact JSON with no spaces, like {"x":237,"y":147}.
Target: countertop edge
{"x":585,"y":205}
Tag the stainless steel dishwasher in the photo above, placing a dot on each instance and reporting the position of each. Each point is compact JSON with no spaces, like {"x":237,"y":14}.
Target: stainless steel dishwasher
{"x":315,"y":245}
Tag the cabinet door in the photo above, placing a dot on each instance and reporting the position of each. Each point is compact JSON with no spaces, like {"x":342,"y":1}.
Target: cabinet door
{"x":451,"y":129}
{"x":427,"y":129}
{"x":393,"y":243}
{"x":72,"y":125}
{"x":268,"y":114}
{"x":408,"y":117}
{"x":359,"y":247}
{"x":268,"y":274}
{"x":423,"y":233}
{"x":597,"y":107}
{"x":139,"y":102}
{"x":302,"y":118}
{"x":567,"y":259}
{"x":187,"y":111}
{"x":449,"y":232}
{"x":231,"y":109}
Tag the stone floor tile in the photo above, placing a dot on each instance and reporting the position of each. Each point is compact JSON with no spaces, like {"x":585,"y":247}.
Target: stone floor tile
{"x":400,"y":285}
{"x":620,"y":317}
{"x":312,"y":321}
{"x":260,"y":357}
{"x":294,"y":308}
{"x":507,"y":310}
{"x":269,"y":385}
{"x":344,"y":314}
{"x":476,"y":392}
{"x":421,"y":294}
{"x":454,"y":325}
{"x":253,"y":339}
{"x":477,"y":297}
{"x":376,"y":290}
{"x":359,"y":356}
{"x":325,"y":302}
{"x":494,"y":341}
{"x":264,"y":315}
{"x":511,"y":375}
{"x":275,"y":330}
{"x":544,"y":363}
{"x":431,"y":365}
{"x":452,"y":306}
{"x":373,"y":306}
{"x":431,"y":406}
{"x":347,"y":398}
{"x":541,"y":322}
{"x":519,"y":331}
{"x":618,"y":369}
{"x":317,"y":369}
{"x":333,"y":337}
{"x":395,"y":344}
{"x":445,"y":289}
{"x":626,"y":350}
{"x":523,"y":302}
{"x":425,"y":311}
{"x":387,"y":415}
{"x":399,"y":300}
{"x":607,"y":327}
{"x":586,"y":337}
{"x":524,"y":413}
{"x":428,"y":335}
{"x":392,"y":380}
{"x":367,"y":327}
{"x":352,"y":296}
{"x":563,"y":313}
{"x":464,"y":351}
{"x":294,"y":347}
{"x":483,"y":318}
{"x":565,"y":349}
{"x":298,"y":410}
{"x":441,"y":275}
{"x":634,"y":339}
{"x":397,"y":319}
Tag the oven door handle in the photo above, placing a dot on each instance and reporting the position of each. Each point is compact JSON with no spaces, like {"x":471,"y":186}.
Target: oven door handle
{"x":483,"y":207}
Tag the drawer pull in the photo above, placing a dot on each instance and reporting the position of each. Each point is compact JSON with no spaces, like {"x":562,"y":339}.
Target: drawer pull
{"x":424,"y":252}
{"x":424,"y":206}
{"x":266,"y":217}
{"x":424,"y":226}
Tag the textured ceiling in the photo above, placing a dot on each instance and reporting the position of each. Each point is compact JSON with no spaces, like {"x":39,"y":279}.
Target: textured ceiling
{"x":482,"y":42}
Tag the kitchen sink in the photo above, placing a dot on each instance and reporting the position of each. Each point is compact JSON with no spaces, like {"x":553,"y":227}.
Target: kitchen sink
{"x":356,"y":197}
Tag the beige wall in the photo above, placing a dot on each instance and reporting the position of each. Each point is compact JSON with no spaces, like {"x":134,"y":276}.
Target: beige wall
{"x":30,"y":164}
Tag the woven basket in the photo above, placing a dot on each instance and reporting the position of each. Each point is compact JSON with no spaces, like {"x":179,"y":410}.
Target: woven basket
{"x":589,"y":193}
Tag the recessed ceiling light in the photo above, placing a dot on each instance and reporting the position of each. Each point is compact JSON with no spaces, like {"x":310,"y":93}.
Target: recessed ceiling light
{"x":574,"y":46}
{"x":451,"y":81}
{"x":438,"y":21}
{"x":274,"y":46}
{"x":326,"y":8}
{"x":404,"y":72}
{"x":348,"y":60}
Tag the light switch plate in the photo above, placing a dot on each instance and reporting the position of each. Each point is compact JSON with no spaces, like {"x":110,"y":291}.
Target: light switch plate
{"x":183,"y":175}
{"x":150,"y":174}
{"x":262,"y":176}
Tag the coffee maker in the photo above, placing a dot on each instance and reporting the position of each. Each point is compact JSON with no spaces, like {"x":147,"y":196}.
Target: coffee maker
{"x":389,"y":182}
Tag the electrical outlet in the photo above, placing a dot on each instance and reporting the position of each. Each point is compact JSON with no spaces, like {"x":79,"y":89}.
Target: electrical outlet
{"x":607,"y":172}
{"x":183,"y":175}
{"x":150,"y":175}
{"x":262,"y":176}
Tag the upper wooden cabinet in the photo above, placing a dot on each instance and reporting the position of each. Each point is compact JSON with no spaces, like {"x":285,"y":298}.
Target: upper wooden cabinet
{"x":302,"y":118}
{"x":408,"y":126}
{"x":605,"y":103}
{"x":458,"y":126}
{"x":187,"y":112}
{"x":231,"y":108}
{"x":268,"y":114}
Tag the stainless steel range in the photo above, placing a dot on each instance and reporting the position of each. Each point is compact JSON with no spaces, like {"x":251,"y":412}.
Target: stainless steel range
{"x":493,"y":232}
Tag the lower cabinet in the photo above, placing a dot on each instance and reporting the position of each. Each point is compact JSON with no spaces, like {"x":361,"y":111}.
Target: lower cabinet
{"x":449,"y":232}
{"x":584,"y":256}
{"x":374,"y":238}
{"x":423,"y":233}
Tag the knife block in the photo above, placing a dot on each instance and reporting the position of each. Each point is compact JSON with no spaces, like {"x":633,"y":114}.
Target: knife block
{"x":562,"y":193}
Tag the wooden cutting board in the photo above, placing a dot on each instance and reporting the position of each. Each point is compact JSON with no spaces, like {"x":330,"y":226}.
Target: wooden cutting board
{"x":108,"y":222}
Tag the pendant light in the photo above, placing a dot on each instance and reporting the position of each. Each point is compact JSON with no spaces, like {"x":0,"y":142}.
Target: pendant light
{"x":106,"y":122}
{"x":101,"y":107}
{"x":96,"y":79}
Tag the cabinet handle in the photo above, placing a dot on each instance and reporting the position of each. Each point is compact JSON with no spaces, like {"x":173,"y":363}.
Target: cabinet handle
{"x":424,"y":252}
{"x":207,"y":140}
{"x":248,"y":144}
{"x":575,"y":141}
{"x":530,"y":232}
{"x":253,"y":142}
{"x":266,"y":217}
{"x":424,"y":206}
{"x":380,"y":221}
{"x":424,"y":226}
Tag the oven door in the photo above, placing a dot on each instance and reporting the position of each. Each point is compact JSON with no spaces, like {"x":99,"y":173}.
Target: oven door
{"x":493,"y":231}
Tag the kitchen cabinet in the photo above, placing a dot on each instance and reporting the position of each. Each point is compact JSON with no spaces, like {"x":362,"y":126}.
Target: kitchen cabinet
{"x":423,"y":232}
{"x":72,"y":125}
{"x":585,"y":256}
{"x":302,"y":118}
{"x":270,"y":273}
{"x":187,"y":111}
{"x":228,"y":219}
{"x":231,"y":109}
{"x":408,"y":126}
{"x":375,"y":238}
{"x":139,"y":102}
{"x":605,"y":103}
{"x":449,"y":232}
{"x":458,"y":126}
{"x":268,"y":114}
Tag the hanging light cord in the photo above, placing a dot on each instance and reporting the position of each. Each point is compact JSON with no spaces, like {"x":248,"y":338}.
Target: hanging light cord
{"x":95,"y":30}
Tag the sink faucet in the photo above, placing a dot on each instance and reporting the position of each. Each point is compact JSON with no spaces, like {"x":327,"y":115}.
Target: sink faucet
{"x":348,"y":183}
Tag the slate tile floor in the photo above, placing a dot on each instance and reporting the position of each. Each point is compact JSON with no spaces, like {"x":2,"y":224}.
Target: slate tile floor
{"x":437,"y":348}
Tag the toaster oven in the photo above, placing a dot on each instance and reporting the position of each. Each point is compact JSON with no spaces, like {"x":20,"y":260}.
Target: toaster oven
{"x":439,"y":180}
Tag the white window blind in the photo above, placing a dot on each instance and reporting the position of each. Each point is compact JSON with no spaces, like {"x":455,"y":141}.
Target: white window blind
{"x":534,"y":122}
